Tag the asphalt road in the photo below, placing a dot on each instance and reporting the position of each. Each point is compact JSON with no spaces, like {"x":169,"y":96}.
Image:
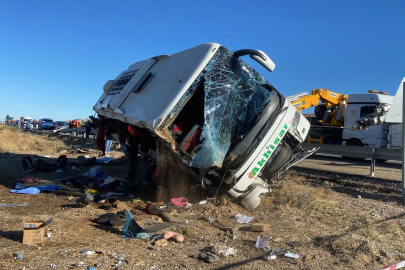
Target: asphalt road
{"x":390,"y":170}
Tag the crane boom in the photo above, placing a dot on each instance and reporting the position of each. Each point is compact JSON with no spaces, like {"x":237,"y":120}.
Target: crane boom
{"x":334,"y":105}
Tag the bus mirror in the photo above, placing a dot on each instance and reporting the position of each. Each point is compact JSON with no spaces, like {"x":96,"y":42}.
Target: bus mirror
{"x":259,"y":56}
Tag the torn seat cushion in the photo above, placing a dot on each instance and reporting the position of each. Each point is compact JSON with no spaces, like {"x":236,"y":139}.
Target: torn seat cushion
{"x":192,"y":139}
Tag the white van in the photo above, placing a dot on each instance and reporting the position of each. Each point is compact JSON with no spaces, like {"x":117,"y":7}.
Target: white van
{"x":218,"y":116}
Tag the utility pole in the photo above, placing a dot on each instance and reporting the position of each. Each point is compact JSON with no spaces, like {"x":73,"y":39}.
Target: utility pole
{"x":403,"y":140}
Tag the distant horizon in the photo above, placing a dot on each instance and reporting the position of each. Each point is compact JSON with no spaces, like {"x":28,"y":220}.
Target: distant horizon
{"x":67,"y":121}
{"x":57,"y":55}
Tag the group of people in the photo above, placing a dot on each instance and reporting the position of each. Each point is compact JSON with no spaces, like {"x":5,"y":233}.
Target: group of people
{"x":34,"y":124}
{"x":76,"y":123}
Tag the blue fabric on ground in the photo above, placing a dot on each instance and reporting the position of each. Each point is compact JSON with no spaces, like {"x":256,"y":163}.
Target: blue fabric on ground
{"x":50,"y":188}
{"x":30,"y":190}
{"x":104,"y":159}
{"x":143,"y":236}
{"x":132,"y":229}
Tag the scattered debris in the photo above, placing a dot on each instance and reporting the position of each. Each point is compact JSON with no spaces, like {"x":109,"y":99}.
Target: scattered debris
{"x":87,"y":253}
{"x":30,"y":190}
{"x":292,"y":255}
{"x":269,"y":257}
{"x":277,"y":250}
{"x":179,"y":201}
{"x":28,"y":180}
{"x":173,"y":235}
{"x":33,"y":232}
{"x":262,"y":241}
{"x":259,"y":227}
{"x":105,"y":160}
{"x":221,"y":250}
{"x":95,"y":170}
{"x":36,"y":189}
{"x":397,"y":265}
{"x":12,"y":204}
{"x":243,"y":219}
{"x":111,"y":219}
{"x":208,"y":257}
{"x":132,"y":229}
{"x":84,"y":200}
{"x":169,"y":218}
{"x":20,"y":185}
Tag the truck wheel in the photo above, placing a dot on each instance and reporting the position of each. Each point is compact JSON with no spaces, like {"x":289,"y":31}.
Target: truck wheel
{"x":354,"y":142}
{"x":271,"y":169}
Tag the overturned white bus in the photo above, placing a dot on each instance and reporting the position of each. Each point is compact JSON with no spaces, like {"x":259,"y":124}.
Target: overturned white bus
{"x":215,"y":115}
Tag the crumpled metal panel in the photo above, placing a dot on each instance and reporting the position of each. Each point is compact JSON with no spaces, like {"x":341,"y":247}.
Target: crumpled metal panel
{"x":235,"y":96}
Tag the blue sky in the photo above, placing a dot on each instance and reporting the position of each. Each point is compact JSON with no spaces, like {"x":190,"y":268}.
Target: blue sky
{"x":55,"y":56}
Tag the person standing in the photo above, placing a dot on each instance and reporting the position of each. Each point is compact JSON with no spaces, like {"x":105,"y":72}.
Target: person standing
{"x":88,"y":128}
{"x":109,"y":141}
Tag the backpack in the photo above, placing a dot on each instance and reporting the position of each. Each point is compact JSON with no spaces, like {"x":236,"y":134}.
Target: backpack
{"x":26,"y":163}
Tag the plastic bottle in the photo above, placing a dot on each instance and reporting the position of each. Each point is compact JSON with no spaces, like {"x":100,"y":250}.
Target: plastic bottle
{"x":20,"y":256}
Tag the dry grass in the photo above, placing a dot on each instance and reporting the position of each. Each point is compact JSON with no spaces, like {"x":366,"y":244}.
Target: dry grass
{"x":339,"y":225}
{"x":12,"y":140}
{"x":293,"y":195}
{"x":188,"y":232}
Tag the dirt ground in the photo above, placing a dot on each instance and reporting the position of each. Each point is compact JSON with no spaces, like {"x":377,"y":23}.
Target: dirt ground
{"x":334,"y":220}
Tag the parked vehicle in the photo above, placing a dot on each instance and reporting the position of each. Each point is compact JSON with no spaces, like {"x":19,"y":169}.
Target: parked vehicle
{"x":211,"y":115}
{"x":61,"y":124}
{"x":9,"y":121}
{"x":337,"y":111}
{"x":29,"y":125}
{"x":48,"y":123}
{"x":387,"y":116}
{"x":24,"y":120}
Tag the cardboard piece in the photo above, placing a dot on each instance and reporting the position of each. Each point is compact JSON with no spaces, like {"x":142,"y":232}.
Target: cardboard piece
{"x":34,"y":230}
{"x":260,"y":227}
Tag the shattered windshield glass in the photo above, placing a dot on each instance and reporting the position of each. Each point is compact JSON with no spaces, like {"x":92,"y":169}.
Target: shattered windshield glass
{"x":235,"y":97}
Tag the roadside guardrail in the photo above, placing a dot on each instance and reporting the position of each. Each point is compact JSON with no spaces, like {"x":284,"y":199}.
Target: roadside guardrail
{"x":358,"y":152}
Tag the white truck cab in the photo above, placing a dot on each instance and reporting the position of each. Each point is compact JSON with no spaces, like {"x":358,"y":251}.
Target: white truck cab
{"x":361,"y":105}
{"x":218,"y":117}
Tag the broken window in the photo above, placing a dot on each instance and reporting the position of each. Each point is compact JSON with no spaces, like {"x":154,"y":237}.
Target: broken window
{"x":235,"y":97}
